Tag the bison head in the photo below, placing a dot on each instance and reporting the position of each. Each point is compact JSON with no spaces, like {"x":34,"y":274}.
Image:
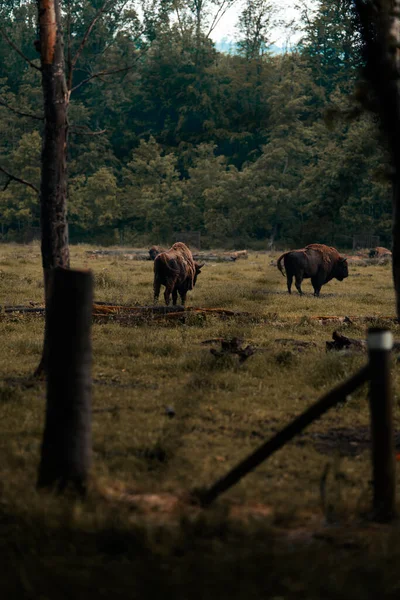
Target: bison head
{"x":197,"y":271}
{"x":154,"y":251}
{"x":341,"y":270}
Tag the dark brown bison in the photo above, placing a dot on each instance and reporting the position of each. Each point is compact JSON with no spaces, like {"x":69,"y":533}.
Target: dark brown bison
{"x":155,"y":251}
{"x":177,"y":271}
{"x":316,"y":261}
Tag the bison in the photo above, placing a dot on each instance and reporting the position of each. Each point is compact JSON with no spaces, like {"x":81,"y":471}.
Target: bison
{"x":379,"y":252}
{"x":177,"y":271}
{"x":316,"y":261}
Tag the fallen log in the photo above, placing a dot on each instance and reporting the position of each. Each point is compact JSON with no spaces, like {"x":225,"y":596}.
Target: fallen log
{"x":326,"y":320}
{"x":22,"y":309}
{"x":115,"y":252}
{"x":342,"y":342}
{"x":213,"y":258}
{"x":220,"y":311}
{"x":115,"y":309}
{"x":213,"y":341}
{"x":130,"y":254}
{"x":379,"y":252}
{"x":236,"y":254}
{"x":234,"y":346}
{"x":206,"y":311}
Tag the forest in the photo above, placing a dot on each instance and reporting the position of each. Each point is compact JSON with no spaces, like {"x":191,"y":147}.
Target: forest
{"x":167,"y":135}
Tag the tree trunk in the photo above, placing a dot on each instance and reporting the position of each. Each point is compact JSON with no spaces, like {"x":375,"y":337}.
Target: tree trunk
{"x":66,"y":447}
{"x":396,"y":240}
{"x":53,"y":185}
{"x":380,"y":30}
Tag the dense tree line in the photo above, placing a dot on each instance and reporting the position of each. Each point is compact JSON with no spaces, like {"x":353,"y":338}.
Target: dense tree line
{"x":167,"y":134}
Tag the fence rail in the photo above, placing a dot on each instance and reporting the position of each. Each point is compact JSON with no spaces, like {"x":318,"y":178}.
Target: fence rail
{"x":377,"y":372}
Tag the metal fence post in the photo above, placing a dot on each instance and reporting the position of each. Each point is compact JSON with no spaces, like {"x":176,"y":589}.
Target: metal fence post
{"x":380,"y":343}
{"x":66,"y":446}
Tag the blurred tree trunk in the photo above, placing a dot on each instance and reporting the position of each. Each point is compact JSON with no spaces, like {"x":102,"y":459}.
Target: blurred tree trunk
{"x":66,"y":447}
{"x":379,"y":25}
{"x":53,"y":186}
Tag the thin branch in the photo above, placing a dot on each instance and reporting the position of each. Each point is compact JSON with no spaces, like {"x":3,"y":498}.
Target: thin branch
{"x":111,"y":72}
{"x":114,"y":40}
{"x":225,"y":5}
{"x":80,"y":130}
{"x":20,"y":112}
{"x":87,"y":33}
{"x":14,"y":178}
{"x":114,"y":30}
{"x":11,"y":43}
{"x":179,"y":18}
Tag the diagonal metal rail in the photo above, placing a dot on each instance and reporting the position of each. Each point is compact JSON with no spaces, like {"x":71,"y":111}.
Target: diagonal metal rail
{"x":338,"y":394}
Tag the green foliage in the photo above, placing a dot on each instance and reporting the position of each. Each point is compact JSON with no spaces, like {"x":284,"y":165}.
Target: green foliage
{"x":252,"y":148}
{"x":94,"y":203}
{"x":18,"y":203}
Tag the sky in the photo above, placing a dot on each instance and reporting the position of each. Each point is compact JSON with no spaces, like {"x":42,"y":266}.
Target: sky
{"x":226,"y":26}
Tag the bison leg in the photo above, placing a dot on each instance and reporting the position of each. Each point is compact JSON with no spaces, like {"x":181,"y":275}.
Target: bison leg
{"x":167,"y":295}
{"x":317,"y":290}
{"x":299,"y":279}
{"x":183,"y":297}
{"x":174,"y":296}
{"x":316,"y":283}
{"x":289,"y":279}
{"x":157,"y":287}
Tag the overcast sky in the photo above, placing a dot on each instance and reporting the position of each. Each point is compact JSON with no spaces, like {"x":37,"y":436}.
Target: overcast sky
{"x":226,"y":27}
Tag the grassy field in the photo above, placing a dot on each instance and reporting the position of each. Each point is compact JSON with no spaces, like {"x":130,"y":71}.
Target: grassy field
{"x":274,"y":534}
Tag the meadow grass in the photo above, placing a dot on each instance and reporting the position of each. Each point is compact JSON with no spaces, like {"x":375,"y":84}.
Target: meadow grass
{"x":223,"y":411}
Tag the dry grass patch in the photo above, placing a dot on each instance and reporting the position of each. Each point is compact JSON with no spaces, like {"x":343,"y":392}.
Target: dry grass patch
{"x":222,"y":411}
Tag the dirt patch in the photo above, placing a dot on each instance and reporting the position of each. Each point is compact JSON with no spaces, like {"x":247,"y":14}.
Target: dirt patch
{"x":344,"y":440}
{"x":23,"y":382}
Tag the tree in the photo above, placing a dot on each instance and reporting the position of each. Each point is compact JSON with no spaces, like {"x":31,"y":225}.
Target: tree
{"x":330,"y":44}
{"x":53,"y":185}
{"x":19,"y":203}
{"x":379,"y":24}
{"x":94,"y":202}
{"x":201,"y":15}
{"x":254,"y":28}
{"x":153,"y":192}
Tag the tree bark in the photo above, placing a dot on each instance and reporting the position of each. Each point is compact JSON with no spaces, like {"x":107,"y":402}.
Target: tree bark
{"x":53,"y":185}
{"x":380,"y":30}
{"x":66,"y":447}
{"x":396,"y":239}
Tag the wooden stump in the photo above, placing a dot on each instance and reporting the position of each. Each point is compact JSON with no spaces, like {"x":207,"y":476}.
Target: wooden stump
{"x":66,"y":446}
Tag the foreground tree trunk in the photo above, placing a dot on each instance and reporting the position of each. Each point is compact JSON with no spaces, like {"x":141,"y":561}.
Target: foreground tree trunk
{"x":380,"y":30}
{"x":396,"y":238}
{"x":53,"y":186}
{"x":66,"y":447}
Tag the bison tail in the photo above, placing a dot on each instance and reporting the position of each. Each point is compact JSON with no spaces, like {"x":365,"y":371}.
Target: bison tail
{"x":279,"y":263}
{"x":166,"y":263}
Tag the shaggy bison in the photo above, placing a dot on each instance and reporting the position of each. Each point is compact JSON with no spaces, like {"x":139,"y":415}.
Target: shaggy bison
{"x":177,"y":271}
{"x":316,"y":261}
